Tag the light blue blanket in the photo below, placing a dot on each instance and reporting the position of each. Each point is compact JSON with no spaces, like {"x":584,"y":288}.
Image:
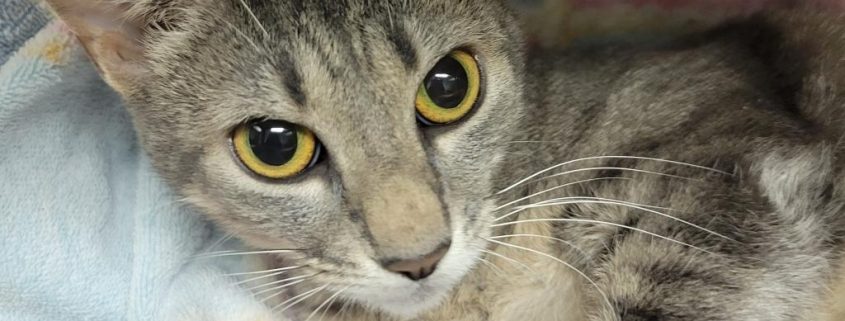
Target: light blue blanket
{"x":87,"y":230}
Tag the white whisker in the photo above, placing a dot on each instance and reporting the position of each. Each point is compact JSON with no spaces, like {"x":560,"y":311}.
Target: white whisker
{"x":277,"y":272}
{"x":520,"y":182}
{"x":556,"y":201}
{"x":220,"y":242}
{"x":577,"y":220}
{"x":587,"y":256}
{"x":235,"y":253}
{"x":254,"y":18}
{"x":389,"y":17}
{"x":603,"y":199}
{"x":569,"y":200}
{"x":244,"y":36}
{"x":512,"y":261}
{"x":529,"y":141}
{"x":556,"y":188}
{"x":294,"y":278}
{"x":320,"y":307}
{"x":322,"y":315}
{"x":570,"y":266}
{"x":343,"y":310}
{"x":281,"y":289}
{"x":492,"y":267}
{"x":301,"y":297}
{"x":626,"y":169}
{"x":264,"y":271}
{"x":607,"y":201}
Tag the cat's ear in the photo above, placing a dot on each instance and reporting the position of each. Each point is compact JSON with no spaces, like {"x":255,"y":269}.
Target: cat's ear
{"x":111,"y":32}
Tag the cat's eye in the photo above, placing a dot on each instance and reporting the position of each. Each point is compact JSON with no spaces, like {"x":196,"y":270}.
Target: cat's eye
{"x":275,"y":149}
{"x":450,"y":90}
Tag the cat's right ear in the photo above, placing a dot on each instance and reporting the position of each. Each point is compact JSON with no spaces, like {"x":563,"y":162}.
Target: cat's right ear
{"x":111,"y":33}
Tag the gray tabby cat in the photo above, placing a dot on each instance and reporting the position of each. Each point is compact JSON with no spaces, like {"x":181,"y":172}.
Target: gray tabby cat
{"x":413,"y":159}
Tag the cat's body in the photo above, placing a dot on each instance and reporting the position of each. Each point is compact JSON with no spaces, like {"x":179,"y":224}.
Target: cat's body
{"x":714,"y":101}
{"x":705,"y":177}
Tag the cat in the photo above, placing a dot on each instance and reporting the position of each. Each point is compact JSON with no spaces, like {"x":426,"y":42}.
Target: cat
{"x":415,"y":160}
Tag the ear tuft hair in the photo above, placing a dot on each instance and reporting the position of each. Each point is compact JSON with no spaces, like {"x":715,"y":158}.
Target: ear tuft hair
{"x":114,"y":33}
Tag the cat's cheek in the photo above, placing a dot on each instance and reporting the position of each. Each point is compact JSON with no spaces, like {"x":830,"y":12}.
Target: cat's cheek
{"x":262,"y":212}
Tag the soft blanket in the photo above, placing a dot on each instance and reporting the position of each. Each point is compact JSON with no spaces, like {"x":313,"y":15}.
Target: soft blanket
{"x":87,"y":230}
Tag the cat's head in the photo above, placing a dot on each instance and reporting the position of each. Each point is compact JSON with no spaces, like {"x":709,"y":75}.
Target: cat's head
{"x":304,"y":125}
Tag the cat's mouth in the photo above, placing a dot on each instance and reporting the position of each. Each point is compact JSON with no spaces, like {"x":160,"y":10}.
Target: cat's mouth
{"x":385,"y":292}
{"x":406,"y":298}
{"x":368,"y":283}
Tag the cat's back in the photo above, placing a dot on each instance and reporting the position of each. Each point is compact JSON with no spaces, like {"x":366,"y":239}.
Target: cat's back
{"x":650,"y":90}
{"x":722,"y":100}
{"x":713,"y":94}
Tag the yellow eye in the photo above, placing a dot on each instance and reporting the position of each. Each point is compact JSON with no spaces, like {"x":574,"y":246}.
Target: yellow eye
{"x":275,"y":149}
{"x":450,"y":90}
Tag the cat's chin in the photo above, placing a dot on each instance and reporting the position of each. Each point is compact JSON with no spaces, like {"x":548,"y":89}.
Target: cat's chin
{"x":407,"y":299}
{"x":411,"y":306}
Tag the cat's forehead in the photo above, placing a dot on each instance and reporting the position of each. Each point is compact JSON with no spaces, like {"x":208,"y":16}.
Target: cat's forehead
{"x":322,"y":64}
{"x":364,"y":36}
{"x":301,"y":12}
{"x":321,"y":49}
{"x":312,"y":21}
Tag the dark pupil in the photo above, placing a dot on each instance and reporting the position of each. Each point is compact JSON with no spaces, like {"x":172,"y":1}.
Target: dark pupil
{"x":446,"y":84}
{"x":274,"y":142}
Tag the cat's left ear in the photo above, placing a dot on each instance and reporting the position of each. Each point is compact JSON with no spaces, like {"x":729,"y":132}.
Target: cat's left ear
{"x":111,"y":31}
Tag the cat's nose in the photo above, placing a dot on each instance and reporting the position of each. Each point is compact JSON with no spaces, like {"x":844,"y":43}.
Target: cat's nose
{"x":418,"y":268}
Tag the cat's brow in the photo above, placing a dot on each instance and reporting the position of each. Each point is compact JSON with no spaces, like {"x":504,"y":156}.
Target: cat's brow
{"x":398,"y":36}
{"x":291,"y":76}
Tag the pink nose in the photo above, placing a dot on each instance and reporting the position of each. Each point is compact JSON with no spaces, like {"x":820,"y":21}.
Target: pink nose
{"x":419,"y":268}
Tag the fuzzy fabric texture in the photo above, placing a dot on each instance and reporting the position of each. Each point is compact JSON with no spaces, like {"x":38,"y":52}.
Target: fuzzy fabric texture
{"x":88,"y":231}
{"x":19,"y":20}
